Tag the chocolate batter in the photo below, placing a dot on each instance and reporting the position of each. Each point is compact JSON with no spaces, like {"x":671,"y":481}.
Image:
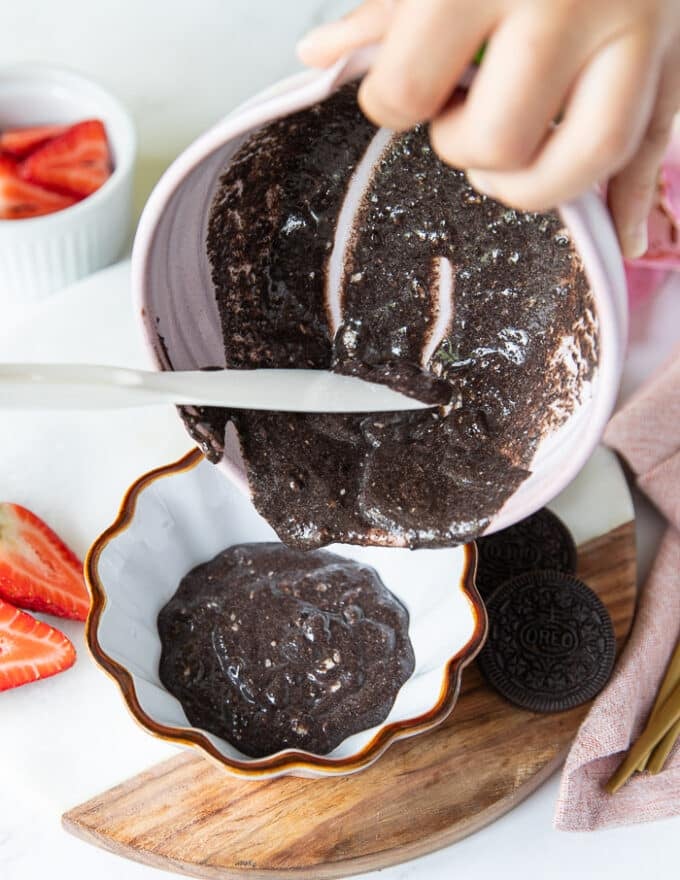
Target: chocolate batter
{"x":443,"y":293}
{"x":273,"y":648}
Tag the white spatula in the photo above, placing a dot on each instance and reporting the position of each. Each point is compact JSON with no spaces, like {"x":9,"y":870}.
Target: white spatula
{"x":85,"y":386}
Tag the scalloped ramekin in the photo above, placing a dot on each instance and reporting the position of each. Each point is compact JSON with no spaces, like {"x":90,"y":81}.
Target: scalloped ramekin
{"x":176,"y":309}
{"x":43,"y":254}
{"x":180,"y":515}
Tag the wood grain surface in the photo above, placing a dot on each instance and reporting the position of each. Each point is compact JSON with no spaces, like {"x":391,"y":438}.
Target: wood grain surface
{"x":186,"y":815}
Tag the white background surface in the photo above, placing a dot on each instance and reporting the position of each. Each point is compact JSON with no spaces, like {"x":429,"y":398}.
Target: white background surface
{"x":179,"y":66}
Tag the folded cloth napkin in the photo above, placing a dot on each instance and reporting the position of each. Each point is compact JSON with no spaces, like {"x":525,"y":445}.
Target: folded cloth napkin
{"x":642,"y":282}
{"x":646,"y":432}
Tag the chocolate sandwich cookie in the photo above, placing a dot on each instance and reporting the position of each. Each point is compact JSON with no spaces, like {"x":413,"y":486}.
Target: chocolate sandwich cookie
{"x":541,"y":541}
{"x":551,"y":643}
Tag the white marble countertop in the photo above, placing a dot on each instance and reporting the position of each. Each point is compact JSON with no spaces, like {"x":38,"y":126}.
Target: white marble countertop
{"x":180,"y":66}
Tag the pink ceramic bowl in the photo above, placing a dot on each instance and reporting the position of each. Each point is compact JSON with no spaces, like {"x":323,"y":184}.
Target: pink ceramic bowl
{"x":176,"y":308}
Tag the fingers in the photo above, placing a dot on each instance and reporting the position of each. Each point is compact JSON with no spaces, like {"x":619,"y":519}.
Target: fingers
{"x":605,"y":119}
{"x":364,"y":25}
{"x":424,"y":54}
{"x":534,"y":66}
{"x":529,"y":67}
{"x":631,"y":193}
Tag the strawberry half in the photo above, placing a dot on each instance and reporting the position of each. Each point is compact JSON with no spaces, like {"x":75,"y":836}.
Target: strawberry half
{"x":37,"y":570}
{"x":20,"y":200}
{"x":76,"y":162}
{"x":19,"y":142}
{"x":30,"y":649}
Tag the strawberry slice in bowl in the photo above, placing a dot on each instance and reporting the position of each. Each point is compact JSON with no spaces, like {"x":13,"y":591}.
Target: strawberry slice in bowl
{"x":30,"y":649}
{"x":19,"y":142}
{"x":21,"y":200}
{"x":37,"y":570}
{"x":75,"y":163}
{"x":53,"y":251}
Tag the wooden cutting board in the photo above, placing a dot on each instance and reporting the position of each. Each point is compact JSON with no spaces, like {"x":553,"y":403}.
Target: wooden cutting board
{"x":186,"y":815}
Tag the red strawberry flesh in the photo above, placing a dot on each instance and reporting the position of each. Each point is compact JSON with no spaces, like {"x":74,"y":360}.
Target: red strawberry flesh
{"x":37,"y":570}
{"x":19,"y":142}
{"x":29,"y":648}
{"x":20,"y":200}
{"x":75,"y":163}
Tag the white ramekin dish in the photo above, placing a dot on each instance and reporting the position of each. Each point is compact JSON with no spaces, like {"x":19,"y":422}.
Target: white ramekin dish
{"x":43,"y":254}
{"x":181,"y":515}
{"x":175,"y":303}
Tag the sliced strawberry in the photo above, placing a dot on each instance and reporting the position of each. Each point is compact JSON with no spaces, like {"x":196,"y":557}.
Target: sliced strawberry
{"x":20,"y":199}
{"x":29,"y":648}
{"x":76,"y":163}
{"x":37,"y":570}
{"x":19,"y":142}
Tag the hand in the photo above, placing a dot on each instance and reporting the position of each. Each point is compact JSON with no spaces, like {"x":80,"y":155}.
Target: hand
{"x":608,"y":69}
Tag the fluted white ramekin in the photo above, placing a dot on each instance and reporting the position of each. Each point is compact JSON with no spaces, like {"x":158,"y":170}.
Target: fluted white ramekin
{"x":40,"y":255}
{"x":180,"y":515}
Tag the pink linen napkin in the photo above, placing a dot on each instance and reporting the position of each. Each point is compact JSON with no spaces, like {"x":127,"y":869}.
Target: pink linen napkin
{"x":646,"y":432}
{"x":642,"y":282}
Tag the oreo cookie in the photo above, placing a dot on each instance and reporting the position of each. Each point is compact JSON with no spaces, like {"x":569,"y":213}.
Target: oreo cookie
{"x":541,"y":541}
{"x":551,"y":643}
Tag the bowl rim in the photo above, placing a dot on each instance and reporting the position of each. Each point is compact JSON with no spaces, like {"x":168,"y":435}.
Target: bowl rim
{"x":290,"y":760}
{"x":77,"y":84}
